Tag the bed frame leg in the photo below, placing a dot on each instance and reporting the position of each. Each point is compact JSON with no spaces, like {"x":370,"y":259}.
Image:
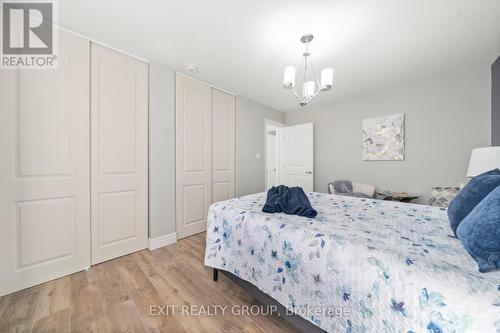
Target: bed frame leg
{"x":216,"y":274}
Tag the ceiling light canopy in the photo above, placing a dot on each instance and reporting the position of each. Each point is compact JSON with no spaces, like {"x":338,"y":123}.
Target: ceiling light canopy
{"x":307,"y":77}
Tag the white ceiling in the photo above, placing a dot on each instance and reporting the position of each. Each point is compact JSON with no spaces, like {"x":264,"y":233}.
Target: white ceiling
{"x":243,"y":46}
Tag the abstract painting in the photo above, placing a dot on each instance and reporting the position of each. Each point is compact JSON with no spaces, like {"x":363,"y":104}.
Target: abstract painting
{"x":384,"y":138}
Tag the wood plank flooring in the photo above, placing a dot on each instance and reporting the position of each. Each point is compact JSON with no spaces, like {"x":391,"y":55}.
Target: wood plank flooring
{"x":116,"y":296}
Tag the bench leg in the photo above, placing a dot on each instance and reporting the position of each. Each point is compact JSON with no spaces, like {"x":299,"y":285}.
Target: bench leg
{"x":216,"y":274}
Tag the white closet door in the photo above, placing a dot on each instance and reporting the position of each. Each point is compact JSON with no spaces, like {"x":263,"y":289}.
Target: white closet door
{"x":44,"y":169}
{"x":193,"y":155}
{"x":119,"y":154}
{"x":223,"y":110}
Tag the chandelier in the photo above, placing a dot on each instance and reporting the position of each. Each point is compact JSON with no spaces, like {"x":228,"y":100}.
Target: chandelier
{"x":311,"y":84}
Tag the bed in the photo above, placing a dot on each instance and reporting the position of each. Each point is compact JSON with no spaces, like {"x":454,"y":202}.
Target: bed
{"x":362,"y":265}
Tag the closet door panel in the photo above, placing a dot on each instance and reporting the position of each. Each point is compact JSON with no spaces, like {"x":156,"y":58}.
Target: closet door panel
{"x":119,"y":158}
{"x":222,"y":191}
{"x":44,"y":169}
{"x":117,"y":119}
{"x":223,"y":122}
{"x":193,"y":155}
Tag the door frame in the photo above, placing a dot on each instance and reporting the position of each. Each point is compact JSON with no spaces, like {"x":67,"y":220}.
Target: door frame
{"x":278,"y":142}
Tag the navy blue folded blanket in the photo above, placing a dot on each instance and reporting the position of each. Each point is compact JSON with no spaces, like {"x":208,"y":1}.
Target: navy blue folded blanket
{"x":288,"y":200}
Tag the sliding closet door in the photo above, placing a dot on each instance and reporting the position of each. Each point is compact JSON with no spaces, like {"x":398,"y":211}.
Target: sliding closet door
{"x":44,"y":169}
{"x":119,"y":154}
{"x":193,"y":155}
{"x":223,"y":110}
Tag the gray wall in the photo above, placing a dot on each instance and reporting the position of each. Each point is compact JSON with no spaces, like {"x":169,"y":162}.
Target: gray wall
{"x":250,"y":129}
{"x":161,"y":151}
{"x":446,"y":118}
{"x":495,"y":103}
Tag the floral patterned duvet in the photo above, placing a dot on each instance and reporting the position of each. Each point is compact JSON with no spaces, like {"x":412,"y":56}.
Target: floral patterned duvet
{"x":390,"y":267}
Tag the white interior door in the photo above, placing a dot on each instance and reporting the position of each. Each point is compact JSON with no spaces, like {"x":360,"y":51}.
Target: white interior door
{"x":298,"y":156}
{"x":44,"y":169}
{"x":193,"y":140}
{"x":223,"y":113}
{"x":119,"y":154}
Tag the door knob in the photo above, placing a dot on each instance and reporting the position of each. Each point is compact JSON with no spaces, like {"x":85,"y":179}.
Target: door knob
{"x":309,"y":172}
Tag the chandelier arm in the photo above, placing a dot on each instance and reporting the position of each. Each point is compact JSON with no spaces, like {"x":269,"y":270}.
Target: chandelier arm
{"x":315,"y":75}
{"x":306,"y":77}
{"x":305,"y":101}
{"x":317,"y":92}
{"x":298,"y":72}
{"x":296,"y":95}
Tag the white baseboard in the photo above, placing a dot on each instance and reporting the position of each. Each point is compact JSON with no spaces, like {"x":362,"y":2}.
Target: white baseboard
{"x":157,"y":242}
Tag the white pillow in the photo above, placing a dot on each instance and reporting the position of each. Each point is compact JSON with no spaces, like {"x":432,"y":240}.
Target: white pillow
{"x":363,"y":188}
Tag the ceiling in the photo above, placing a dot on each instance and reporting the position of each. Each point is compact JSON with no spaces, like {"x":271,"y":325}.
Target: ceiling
{"x":243,"y":46}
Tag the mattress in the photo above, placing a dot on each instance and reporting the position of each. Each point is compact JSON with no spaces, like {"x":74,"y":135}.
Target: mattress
{"x":362,"y":265}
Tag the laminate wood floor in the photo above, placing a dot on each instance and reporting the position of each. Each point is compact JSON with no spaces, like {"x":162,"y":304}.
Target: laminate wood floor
{"x":119,"y":295}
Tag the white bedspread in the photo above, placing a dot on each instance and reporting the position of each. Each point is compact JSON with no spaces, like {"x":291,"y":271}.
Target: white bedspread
{"x":396,"y":267}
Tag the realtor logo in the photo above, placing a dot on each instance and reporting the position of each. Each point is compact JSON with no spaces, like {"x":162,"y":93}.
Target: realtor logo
{"x":28,"y":35}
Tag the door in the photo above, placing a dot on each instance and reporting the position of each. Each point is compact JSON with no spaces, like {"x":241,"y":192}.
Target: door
{"x":193,"y":140}
{"x":119,"y":154}
{"x":298,"y":156}
{"x":44,"y":169}
{"x":223,"y":112}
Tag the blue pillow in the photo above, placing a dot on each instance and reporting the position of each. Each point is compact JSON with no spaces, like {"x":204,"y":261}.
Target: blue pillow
{"x":472,"y":194}
{"x":480,"y":232}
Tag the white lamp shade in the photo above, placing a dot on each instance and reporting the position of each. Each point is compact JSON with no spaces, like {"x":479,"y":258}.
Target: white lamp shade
{"x":309,"y":88}
{"x":483,"y":160}
{"x":326,"y":79}
{"x":289,"y":77}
